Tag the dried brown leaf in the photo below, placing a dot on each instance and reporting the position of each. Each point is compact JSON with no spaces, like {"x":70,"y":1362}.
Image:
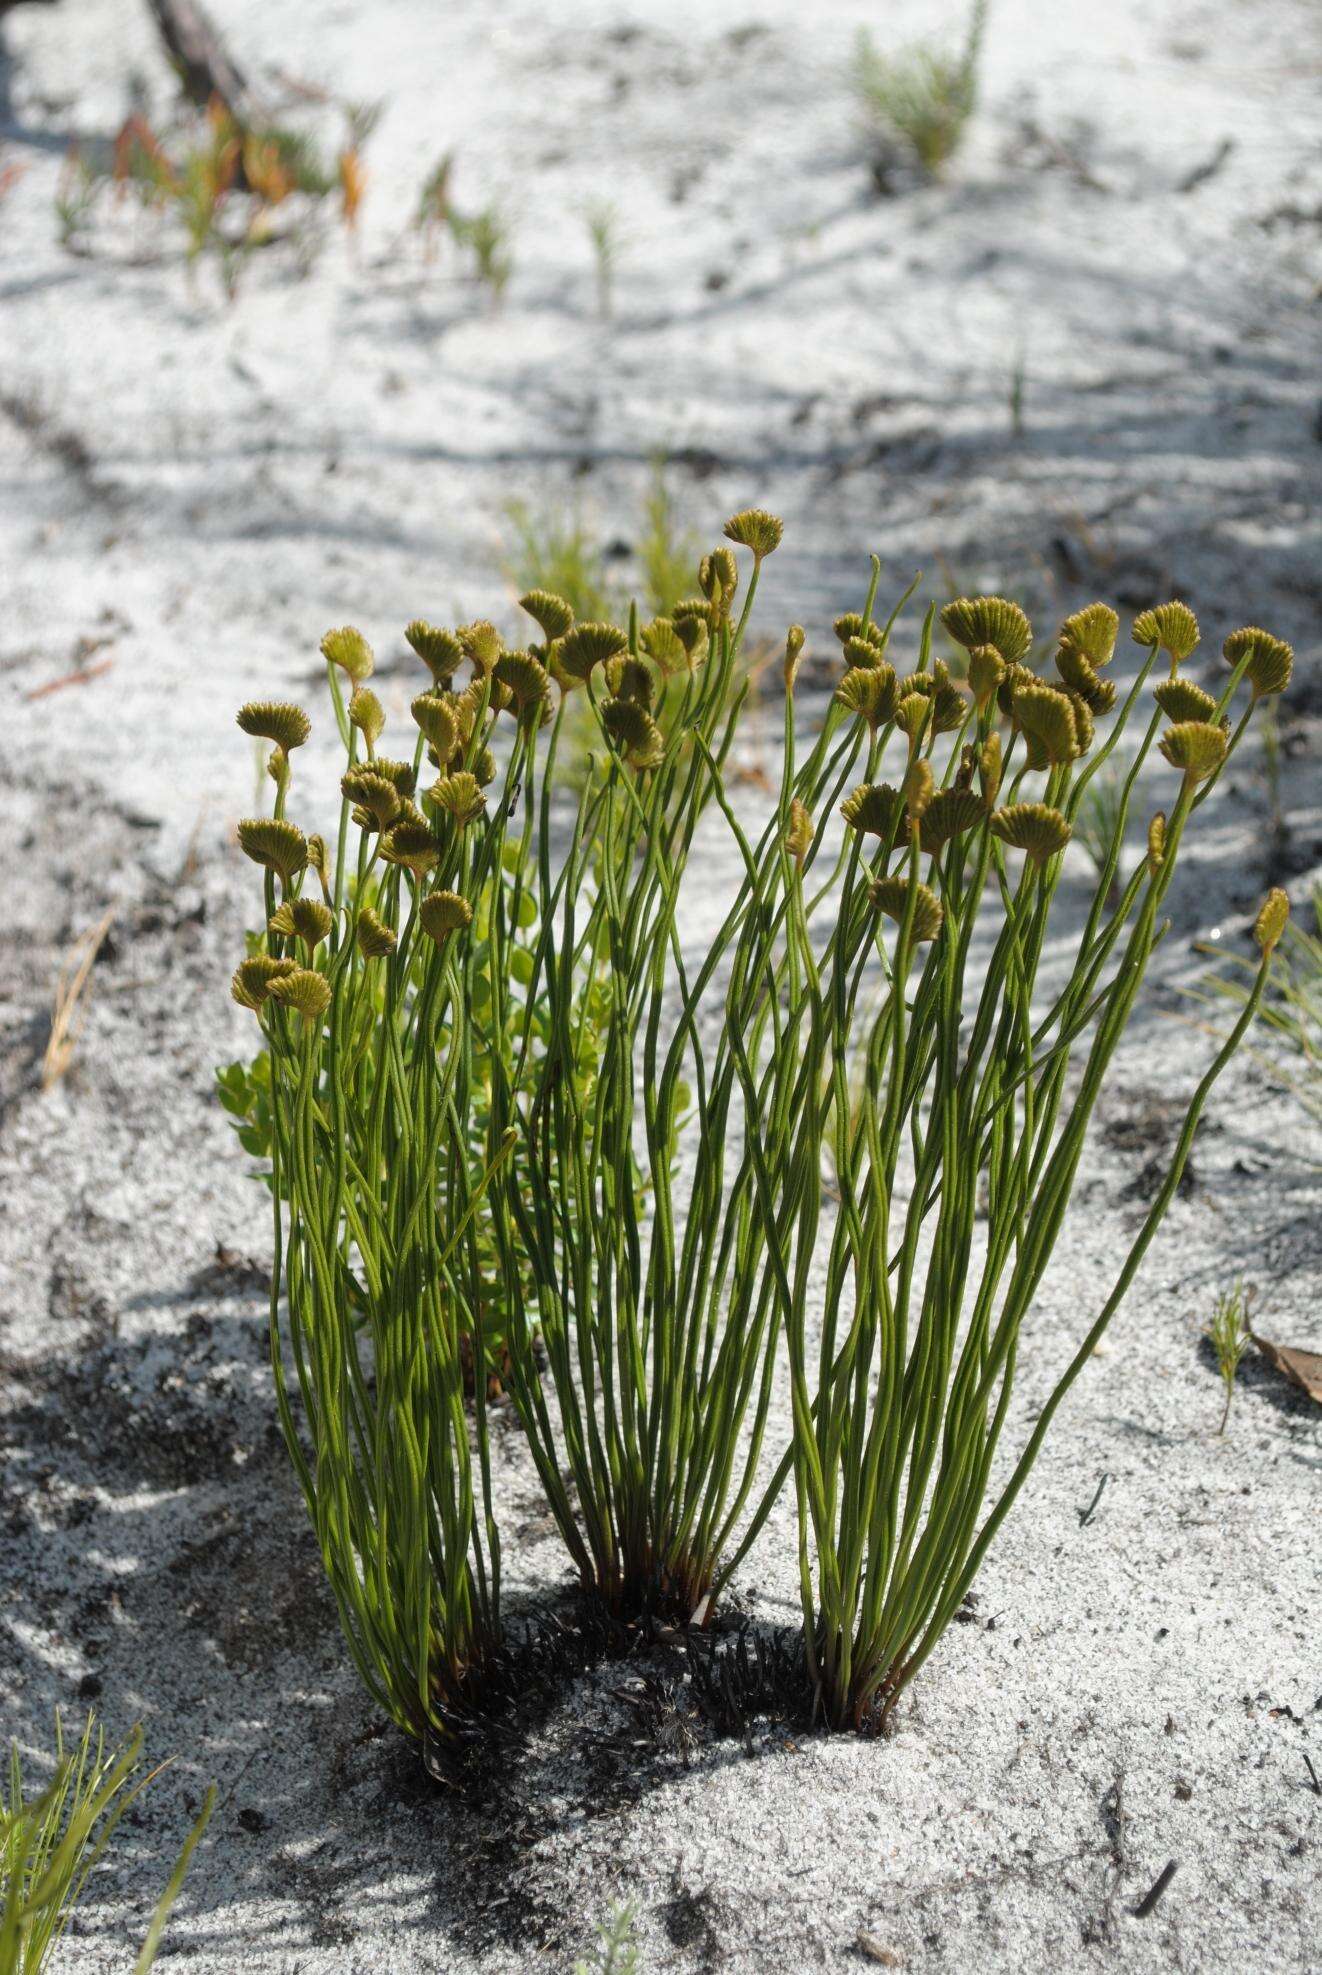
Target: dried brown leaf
{"x":1302,"y":1368}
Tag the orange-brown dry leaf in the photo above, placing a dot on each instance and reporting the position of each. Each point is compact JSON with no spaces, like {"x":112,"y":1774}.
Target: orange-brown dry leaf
{"x":1302,"y":1368}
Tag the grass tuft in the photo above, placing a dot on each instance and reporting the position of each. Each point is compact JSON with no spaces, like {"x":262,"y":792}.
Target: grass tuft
{"x":50,"y":1843}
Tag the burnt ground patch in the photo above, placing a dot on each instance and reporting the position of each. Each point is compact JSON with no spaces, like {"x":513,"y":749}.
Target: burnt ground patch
{"x":579,"y":1719}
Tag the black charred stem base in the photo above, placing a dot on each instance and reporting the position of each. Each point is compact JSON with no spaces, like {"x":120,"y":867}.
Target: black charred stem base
{"x":748,"y":1676}
{"x":521,"y":1679}
{"x":735,"y":1674}
{"x":677,"y":1599}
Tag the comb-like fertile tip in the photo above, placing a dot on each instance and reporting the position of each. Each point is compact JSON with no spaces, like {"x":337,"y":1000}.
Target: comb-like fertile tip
{"x":1273,"y":914}
{"x":349,"y":649}
{"x":275,"y":720}
{"x":753,"y":528}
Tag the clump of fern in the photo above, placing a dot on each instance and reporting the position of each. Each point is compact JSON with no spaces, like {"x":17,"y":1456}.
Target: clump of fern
{"x":486,"y":1039}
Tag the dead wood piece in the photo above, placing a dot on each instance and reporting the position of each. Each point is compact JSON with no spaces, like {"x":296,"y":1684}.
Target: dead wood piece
{"x":204,"y":65}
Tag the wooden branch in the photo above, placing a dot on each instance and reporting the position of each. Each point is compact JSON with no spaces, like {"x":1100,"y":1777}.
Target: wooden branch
{"x":204,"y":65}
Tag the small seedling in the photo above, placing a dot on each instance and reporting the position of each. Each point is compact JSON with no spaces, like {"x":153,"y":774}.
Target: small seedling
{"x":1229,"y":1333}
{"x":617,"y":1949}
{"x":917,"y":101}
{"x":434,"y":215}
{"x":604,"y":233}
{"x":486,"y":236}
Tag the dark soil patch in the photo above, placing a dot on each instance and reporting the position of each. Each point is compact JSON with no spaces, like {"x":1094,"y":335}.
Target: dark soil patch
{"x":1143,"y":1127}
{"x":580,"y":1717}
{"x":106,"y":1418}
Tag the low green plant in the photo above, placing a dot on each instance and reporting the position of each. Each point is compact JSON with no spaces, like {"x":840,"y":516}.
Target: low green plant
{"x":244,"y":1090}
{"x":617,"y":1949}
{"x":486,"y":236}
{"x":603,"y":225}
{"x":1229,"y":1333}
{"x":487,"y":1040}
{"x":920,"y":98}
{"x":227,"y":189}
{"x":667,"y":552}
{"x":50,"y":1842}
{"x":563,"y":554}
{"x":558,"y":552}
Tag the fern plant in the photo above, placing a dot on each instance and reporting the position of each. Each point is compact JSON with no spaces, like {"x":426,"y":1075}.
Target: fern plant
{"x":900,"y":1409}
{"x":487,"y":1038}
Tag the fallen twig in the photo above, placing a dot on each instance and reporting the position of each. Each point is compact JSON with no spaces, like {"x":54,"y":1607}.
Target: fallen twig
{"x":1086,"y":1515}
{"x":78,"y":677}
{"x":1209,"y":167}
{"x":66,"y":1019}
{"x":1155,"y":1891}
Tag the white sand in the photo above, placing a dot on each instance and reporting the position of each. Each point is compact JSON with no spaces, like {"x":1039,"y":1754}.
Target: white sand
{"x":206,"y":488}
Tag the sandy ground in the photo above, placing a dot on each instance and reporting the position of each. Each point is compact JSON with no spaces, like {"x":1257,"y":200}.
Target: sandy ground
{"x":193,"y":492}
